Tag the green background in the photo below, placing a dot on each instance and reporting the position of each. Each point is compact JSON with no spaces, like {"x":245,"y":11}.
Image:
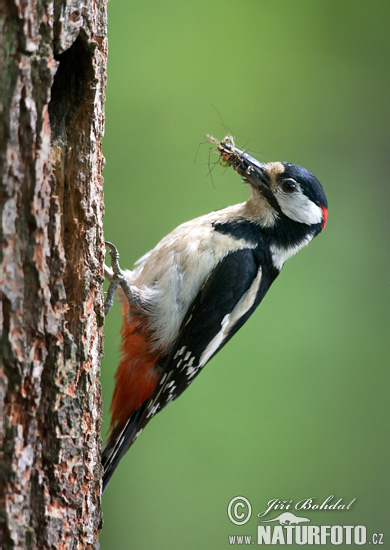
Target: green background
{"x":296,"y":405}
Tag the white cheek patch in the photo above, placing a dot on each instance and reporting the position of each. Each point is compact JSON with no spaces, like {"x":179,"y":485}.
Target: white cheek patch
{"x":298,"y":207}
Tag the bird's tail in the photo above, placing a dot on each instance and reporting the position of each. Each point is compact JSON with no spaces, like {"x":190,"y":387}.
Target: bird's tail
{"x":120,"y":441}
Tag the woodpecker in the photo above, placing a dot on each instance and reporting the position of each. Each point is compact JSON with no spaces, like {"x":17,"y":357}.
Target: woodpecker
{"x":188,"y":296}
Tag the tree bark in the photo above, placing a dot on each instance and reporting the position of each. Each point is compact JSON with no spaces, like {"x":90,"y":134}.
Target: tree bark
{"x":53,"y":71}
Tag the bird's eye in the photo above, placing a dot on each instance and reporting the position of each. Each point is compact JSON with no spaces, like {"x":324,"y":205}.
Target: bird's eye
{"x":289,"y":185}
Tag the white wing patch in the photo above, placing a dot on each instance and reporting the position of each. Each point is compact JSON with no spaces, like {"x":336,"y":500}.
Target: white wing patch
{"x":179,"y":352}
{"x":229,"y":320}
{"x":188,"y":364}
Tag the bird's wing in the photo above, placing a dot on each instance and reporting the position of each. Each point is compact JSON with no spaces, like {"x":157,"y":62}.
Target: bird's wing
{"x":227,"y":298}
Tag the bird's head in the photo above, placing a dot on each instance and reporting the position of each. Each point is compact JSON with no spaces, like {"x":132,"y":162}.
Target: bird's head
{"x":288,"y":191}
{"x":282,"y":194}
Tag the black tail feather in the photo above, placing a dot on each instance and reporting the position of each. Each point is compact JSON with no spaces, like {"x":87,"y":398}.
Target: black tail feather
{"x":120,"y":442}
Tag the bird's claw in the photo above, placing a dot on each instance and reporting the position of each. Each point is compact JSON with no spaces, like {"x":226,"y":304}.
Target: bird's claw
{"x":118,"y":278}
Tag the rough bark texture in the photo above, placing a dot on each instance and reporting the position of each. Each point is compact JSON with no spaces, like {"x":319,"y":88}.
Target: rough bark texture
{"x":53,"y":63}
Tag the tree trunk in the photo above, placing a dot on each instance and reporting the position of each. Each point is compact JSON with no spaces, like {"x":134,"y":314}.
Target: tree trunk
{"x":53,"y":70}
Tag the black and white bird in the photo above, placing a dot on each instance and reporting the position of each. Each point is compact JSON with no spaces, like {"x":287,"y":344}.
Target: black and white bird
{"x":188,"y":296}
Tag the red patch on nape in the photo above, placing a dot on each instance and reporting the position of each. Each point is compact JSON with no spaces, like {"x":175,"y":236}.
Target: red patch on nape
{"x":136,"y":376}
{"x":324,"y":216}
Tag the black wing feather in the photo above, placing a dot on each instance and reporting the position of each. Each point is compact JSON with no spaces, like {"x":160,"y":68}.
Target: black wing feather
{"x":222,"y":290}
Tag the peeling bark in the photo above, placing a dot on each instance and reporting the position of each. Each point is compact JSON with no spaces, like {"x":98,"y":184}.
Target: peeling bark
{"x":53,"y":70}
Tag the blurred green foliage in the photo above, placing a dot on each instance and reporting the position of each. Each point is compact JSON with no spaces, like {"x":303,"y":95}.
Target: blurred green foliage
{"x":297,"y":404}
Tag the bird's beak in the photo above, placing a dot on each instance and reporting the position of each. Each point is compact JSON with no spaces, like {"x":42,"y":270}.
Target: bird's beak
{"x":255,"y":172}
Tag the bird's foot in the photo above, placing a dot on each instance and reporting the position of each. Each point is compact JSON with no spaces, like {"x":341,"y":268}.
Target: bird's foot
{"x":118,"y":278}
